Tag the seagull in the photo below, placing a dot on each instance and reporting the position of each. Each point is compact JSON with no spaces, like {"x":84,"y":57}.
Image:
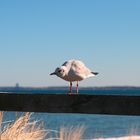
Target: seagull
{"x":73,"y":70}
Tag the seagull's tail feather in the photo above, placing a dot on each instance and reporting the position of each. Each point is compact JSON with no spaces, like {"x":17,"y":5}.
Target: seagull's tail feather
{"x":92,"y":74}
{"x":95,"y":73}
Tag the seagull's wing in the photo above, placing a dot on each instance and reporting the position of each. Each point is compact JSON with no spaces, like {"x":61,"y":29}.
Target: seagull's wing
{"x":79,"y":69}
{"x":67,"y":63}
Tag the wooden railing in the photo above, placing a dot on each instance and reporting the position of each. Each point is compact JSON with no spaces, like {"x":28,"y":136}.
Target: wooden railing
{"x":61,"y":103}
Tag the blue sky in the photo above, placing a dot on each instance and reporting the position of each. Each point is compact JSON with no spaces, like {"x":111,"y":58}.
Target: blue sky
{"x":38,"y":36}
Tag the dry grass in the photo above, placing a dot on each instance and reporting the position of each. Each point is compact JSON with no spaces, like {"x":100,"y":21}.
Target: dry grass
{"x":25,"y":129}
{"x":71,"y":133}
{"x":22,"y":129}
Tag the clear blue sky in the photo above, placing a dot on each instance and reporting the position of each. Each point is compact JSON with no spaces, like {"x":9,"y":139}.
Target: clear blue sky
{"x":36,"y":36}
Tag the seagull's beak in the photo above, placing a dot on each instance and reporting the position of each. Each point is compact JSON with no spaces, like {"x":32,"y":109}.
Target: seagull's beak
{"x":53,"y":73}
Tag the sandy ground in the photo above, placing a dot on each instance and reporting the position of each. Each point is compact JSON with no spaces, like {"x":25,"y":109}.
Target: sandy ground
{"x":121,"y":138}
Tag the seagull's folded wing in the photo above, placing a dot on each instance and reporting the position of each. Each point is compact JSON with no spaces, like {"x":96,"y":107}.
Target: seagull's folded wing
{"x":80,"y":69}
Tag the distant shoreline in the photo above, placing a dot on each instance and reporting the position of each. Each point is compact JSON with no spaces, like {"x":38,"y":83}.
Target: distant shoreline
{"x":65,"y":88}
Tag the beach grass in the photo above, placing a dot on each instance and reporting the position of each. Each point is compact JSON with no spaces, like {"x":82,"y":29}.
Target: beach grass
{"x":21,"y":129}
{"x":25,"y":128}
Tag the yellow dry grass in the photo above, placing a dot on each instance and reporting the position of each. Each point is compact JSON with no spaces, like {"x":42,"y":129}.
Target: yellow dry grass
{"x":24,"y":129}
{"x":71,"y":133}
{"x":21,"y":129}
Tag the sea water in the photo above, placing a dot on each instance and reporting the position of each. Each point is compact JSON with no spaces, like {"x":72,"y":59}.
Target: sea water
{"x":95,"y":125}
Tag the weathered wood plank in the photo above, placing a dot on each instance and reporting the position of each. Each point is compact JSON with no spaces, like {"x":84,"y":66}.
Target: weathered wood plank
{"x":60,"y":103}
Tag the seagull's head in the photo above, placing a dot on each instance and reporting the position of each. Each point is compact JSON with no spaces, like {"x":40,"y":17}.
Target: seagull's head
{"x":60,"y":72}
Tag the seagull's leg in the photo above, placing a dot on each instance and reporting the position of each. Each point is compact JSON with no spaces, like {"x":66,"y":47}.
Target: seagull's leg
{"x":77,"y":88}
{"x":70,"y":87}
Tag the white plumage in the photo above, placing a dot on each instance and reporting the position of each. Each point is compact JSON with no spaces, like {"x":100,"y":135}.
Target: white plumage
{"x":73,"y":70}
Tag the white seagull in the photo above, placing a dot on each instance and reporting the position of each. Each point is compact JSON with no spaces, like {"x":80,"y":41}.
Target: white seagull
{"x":73,"y":70}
